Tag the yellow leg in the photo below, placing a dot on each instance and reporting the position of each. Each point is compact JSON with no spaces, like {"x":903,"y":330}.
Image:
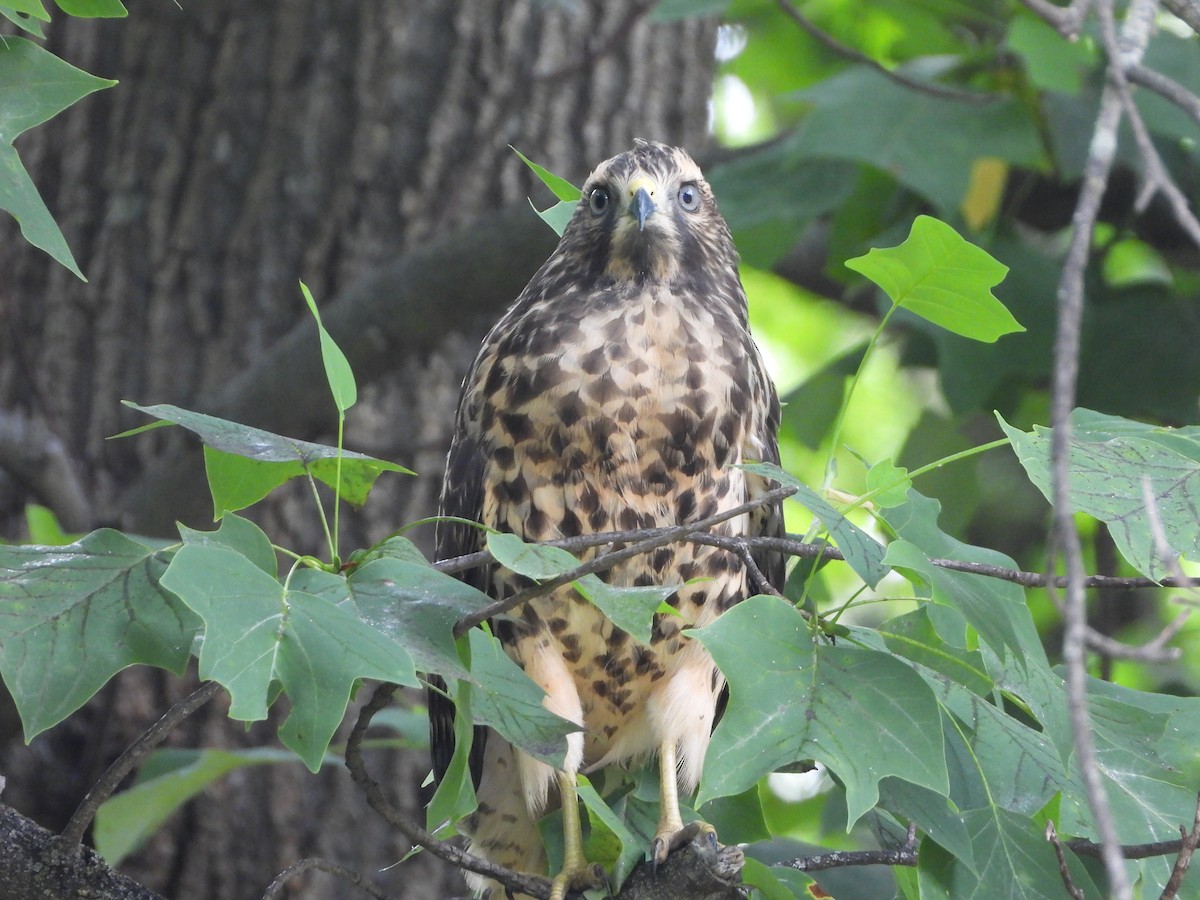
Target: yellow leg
{"x":576,"y":874}
{"x":671,"y":833}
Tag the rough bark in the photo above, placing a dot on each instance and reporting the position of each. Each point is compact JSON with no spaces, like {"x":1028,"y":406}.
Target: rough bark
{"x":249,"y":146}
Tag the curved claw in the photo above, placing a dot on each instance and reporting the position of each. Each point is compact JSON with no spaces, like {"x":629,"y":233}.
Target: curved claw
{"x":666,"y":842}
{"x":581,"y":878}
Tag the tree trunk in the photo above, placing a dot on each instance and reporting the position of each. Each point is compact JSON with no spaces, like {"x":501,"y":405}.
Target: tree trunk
{"x":250,"y":145}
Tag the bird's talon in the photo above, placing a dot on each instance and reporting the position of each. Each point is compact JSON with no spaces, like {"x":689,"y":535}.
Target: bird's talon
{"x":666,"y":842}
{"x":577,"y":877}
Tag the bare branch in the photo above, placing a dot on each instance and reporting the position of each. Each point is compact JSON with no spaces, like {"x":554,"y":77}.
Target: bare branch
{"x":528,"y":884}
{"x":35,"y":455}
{"x":276,"y":887}
{"x":847,"y":52}
{"x":1052,"y":837}
{"x":1190,"y":840}
{"x":1186,"y":10}
{"x":1101,"y":153}
{"x":132,"y":755}
{"x":1165,"y":87}
{"x":608,"y":560}
{"x":795,"y":545}
{"x":1067,"y":20}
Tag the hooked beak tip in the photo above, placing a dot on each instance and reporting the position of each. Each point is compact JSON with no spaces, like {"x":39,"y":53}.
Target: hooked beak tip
{"x":641,"y":207}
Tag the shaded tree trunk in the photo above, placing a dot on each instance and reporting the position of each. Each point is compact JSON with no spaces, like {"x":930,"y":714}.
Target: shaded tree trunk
{"x":250,"y":145}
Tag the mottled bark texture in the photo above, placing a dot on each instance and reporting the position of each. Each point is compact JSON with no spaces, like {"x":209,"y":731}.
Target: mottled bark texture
{"x":358,"y":146}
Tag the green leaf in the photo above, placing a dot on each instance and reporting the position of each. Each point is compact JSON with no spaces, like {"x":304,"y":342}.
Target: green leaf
{"x":531,"y":560}
{"x":93,"y":9}
{"x":891,"y":482}
{"x":72,"y":617}
{"x":863,"y":553}
{"x":417,"y":607}
{"x":240,"y":535}
{"x":44,"y":528}
{"x":26,"y":23}
{"x":258,"y":632}
{"x":943,"y":278}
{"x":631,"y":609}
{"x":337,"y":367}
{"x":268,"y":460}
{"x":1013,"y":858}
{"x":557,"y":216}
{"x":167,"y":780}
{"x":19,"y":196}
{"x":1052,"y":63}
{"x":862,"y":115}
{"x":1135,"y":478}
{"x":455,"y":793}
{"x":35,"y":85}
{"x":610,"y":842}
{"x":32,"y":8}
{"x":795,"y":699}
{"x":990,"y":606}
{"x":508,"y":701}
{"x":561,"y":188}
{"x":933,"y":814}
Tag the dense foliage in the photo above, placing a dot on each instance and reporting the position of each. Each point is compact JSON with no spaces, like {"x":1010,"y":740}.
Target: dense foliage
{"x":911,"y":657}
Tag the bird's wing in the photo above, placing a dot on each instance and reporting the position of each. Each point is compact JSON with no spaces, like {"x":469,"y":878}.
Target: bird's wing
{"x":767,"y":521}
{"x":462,"y":497}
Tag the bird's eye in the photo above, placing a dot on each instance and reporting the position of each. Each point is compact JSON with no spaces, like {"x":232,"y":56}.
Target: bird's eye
{"x":598,"y":201}
{"x":689,"y":196}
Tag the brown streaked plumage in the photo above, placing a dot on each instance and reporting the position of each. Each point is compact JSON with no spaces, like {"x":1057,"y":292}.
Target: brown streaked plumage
{"x":618,"y":392}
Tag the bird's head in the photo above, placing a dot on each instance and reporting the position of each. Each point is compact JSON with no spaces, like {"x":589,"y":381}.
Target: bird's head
{"x":648,"y":215}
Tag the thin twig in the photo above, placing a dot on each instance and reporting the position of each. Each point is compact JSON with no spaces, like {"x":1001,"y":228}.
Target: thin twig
{"x":607,"y":561}
{"x":1064,"y":873}
{"x":1186,"y":10}
{"x":1123,"y":53}
{"x":847,"y":52}
{"x":1179,"y":870}
{"x":276,"y":887}
{"x":527,"y":884}
{"x":795,"y":545}
{"x":1067,"y":20}
{"x":1101,"y":152}
{"x":1167,"y":88}
{"x":132,"y":755}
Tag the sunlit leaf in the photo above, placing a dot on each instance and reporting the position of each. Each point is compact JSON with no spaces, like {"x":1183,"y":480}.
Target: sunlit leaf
{"x":337,"y":367}
{"x":941,"y":277}
{"x":560,"y":187}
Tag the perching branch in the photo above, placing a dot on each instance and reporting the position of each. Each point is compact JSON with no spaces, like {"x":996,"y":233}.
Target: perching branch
{"x":533,"y":885}
{"x":602,"y":563}
{"x":276,"y":887}
{"x":130,"y":757}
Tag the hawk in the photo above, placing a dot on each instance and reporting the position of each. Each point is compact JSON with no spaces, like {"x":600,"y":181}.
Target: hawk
{"x":620,"y":391}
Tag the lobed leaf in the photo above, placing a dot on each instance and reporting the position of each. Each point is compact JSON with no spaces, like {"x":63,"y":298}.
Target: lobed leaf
{"x":244,"y":464}
{"x":73,"y":616}
{"x":795,"y":698}
{"x":258,"y":632}
{"x":943,"y":278}
{"x":863,"y":553}
{"x":1138,"y":479}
